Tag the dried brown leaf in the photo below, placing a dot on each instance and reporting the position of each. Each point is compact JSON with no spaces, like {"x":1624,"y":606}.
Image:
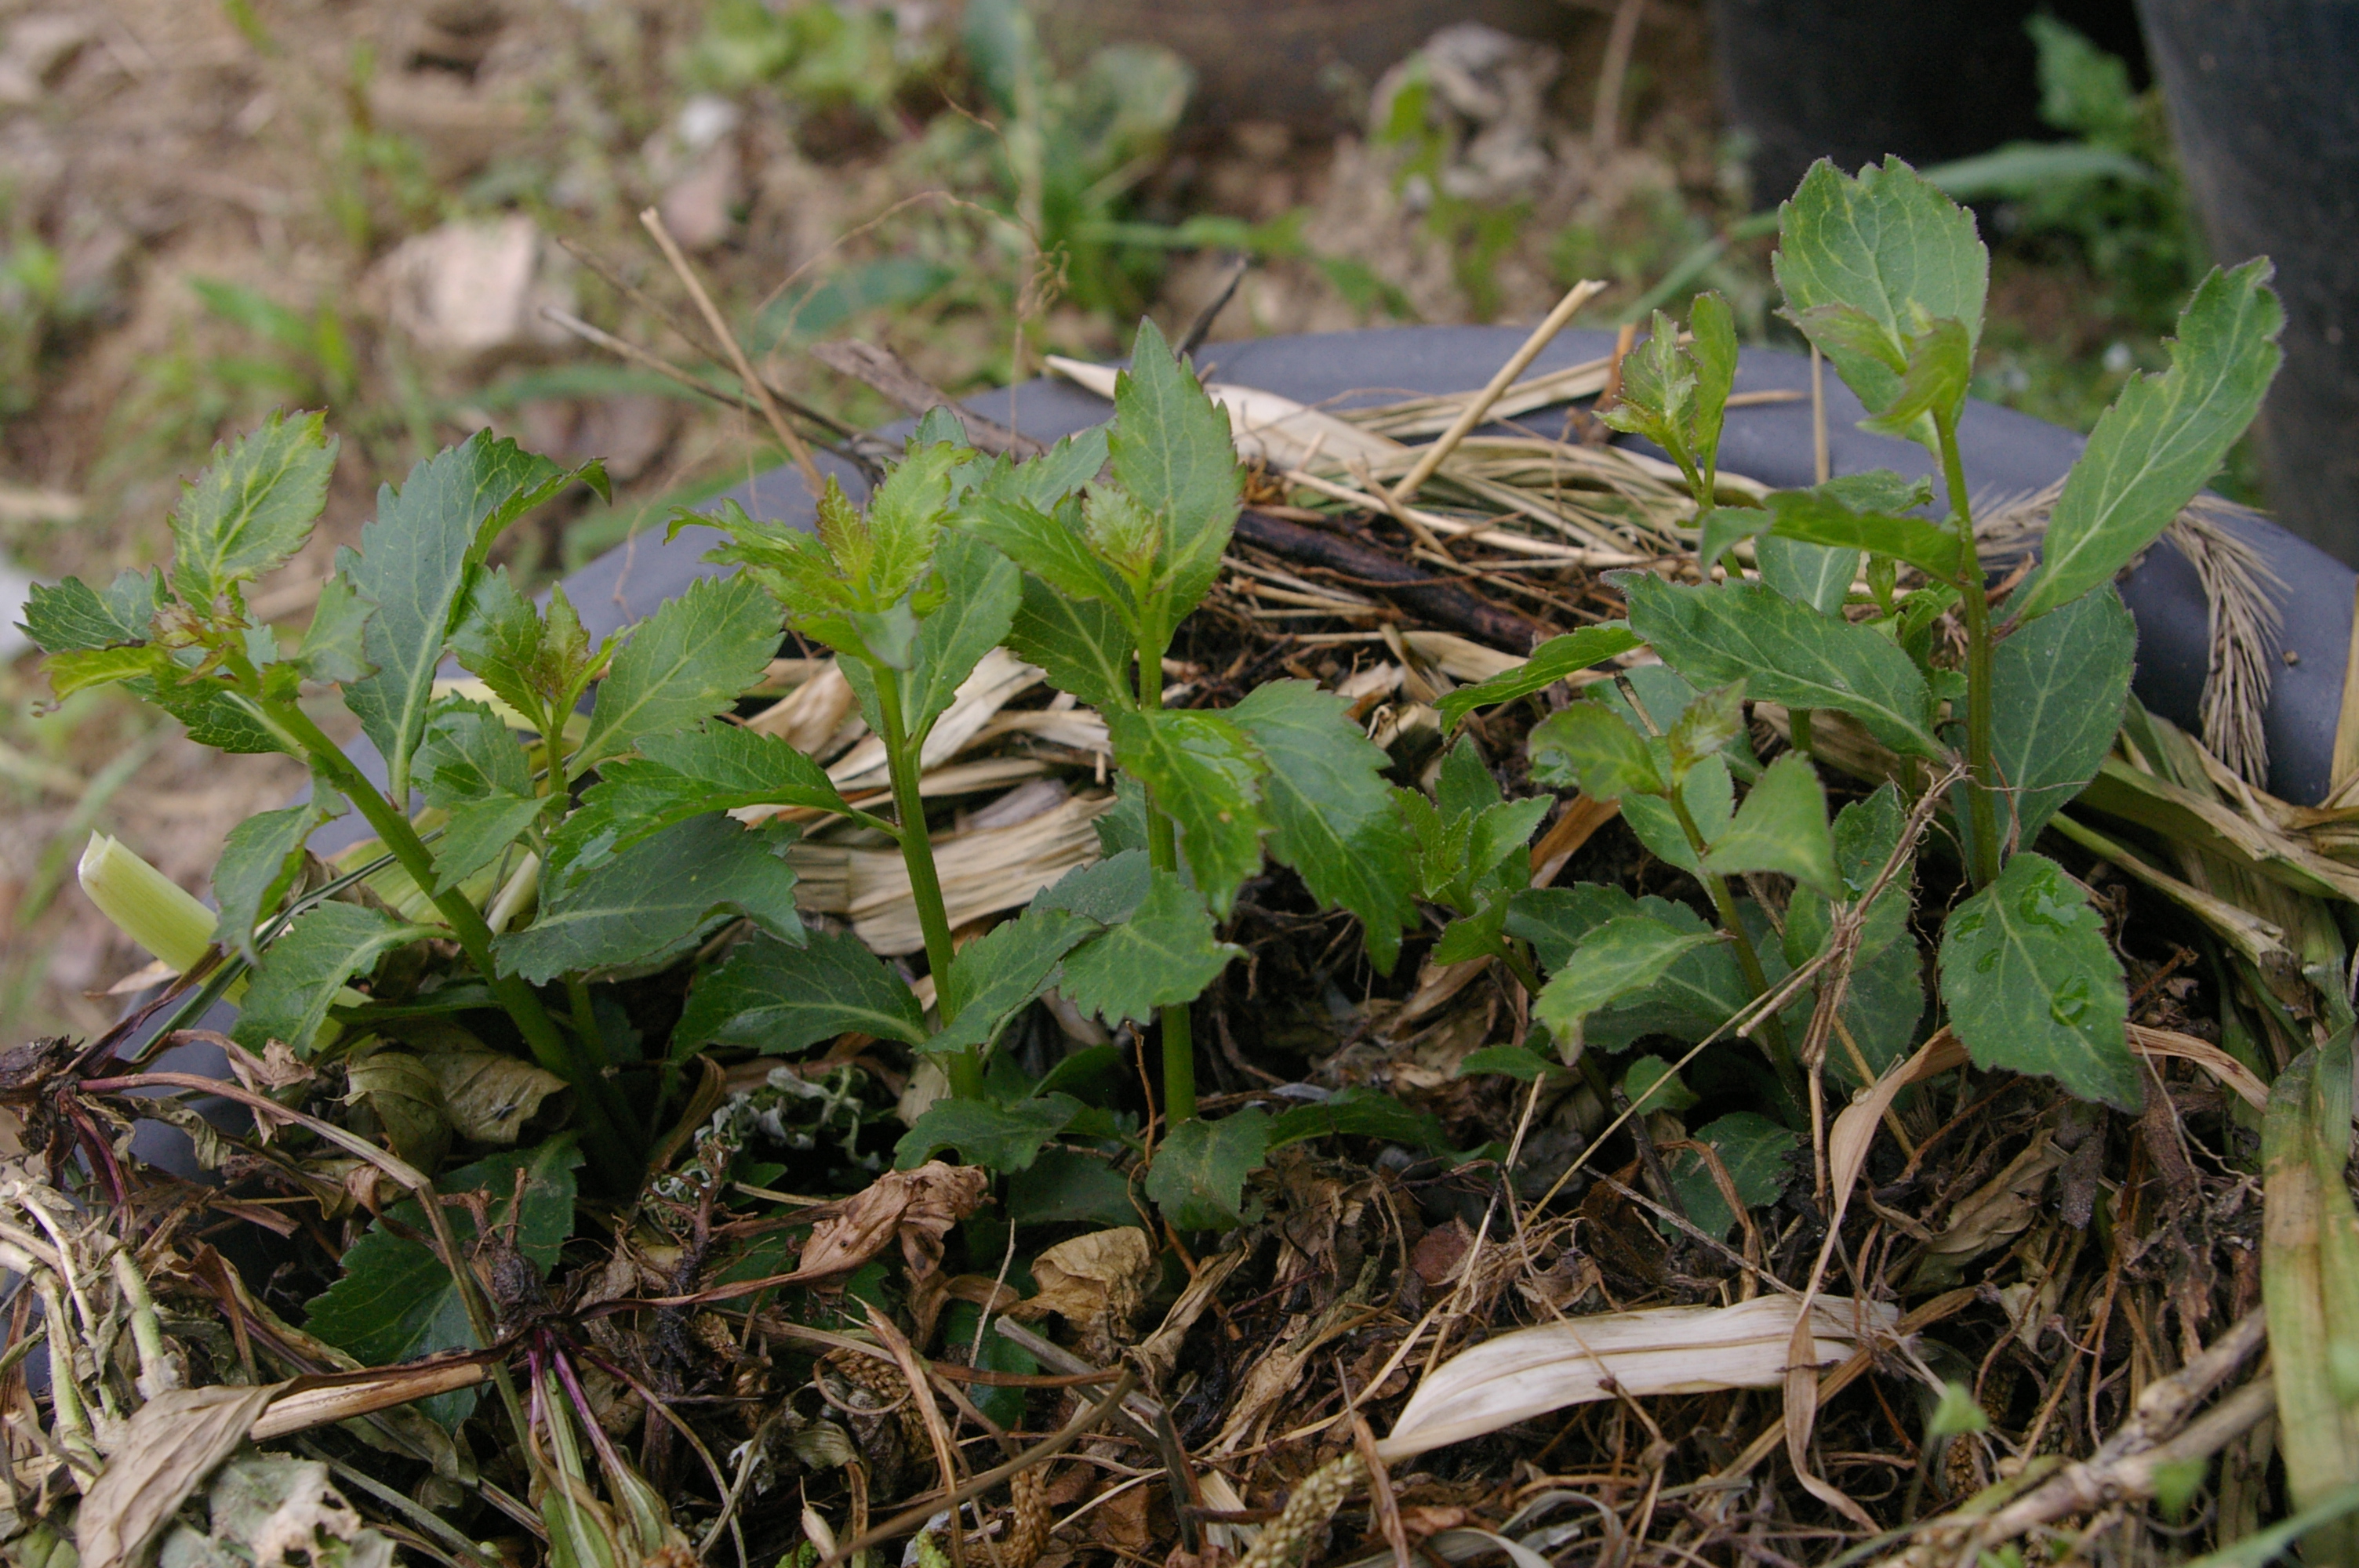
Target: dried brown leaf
{"x":168,"y":1448}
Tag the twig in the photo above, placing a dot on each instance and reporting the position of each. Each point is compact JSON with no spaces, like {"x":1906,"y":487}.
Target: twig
{"x":1580,"y":294}
{"x":1435,"y":597}
{"x":1072,"y":1432}
{"x":795,"y":445}
{"x":889,"y":373}
{"x":1605,"y":118}
{"x":1193,"y":337}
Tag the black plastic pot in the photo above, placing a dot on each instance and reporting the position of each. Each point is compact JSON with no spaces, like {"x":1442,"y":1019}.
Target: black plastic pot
{"x":1854,"y":80}
{"x":2268,"y":131}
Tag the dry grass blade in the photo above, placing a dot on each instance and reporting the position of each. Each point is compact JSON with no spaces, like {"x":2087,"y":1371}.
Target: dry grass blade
{"x":1481,"y":404}
{"x":1658,"y":1350}
{"x":983,"y":872}
{"x":1267,"y":426}
{"x":2306,"y":1252}
{"x":318,"y":1401}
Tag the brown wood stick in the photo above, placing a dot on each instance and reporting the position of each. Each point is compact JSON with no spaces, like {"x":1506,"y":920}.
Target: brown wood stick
{"x":1437,"y":598}
{"x":800,"y":450}
{"x":889,"y":373}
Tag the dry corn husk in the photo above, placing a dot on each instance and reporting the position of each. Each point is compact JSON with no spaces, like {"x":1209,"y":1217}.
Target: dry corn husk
{"x":1658,"y":1350}
{"x":981,"y":872}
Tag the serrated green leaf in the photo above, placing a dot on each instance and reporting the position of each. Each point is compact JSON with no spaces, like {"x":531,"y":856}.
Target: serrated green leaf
{"x":1171,"y":451}
{"x":1162,"y":953}
{"x":1357,"y":1112}
{"x":1807,"y":574}
{"x":1940,"y":362}
{"x":1123,"y":534}
{"x":1659,"y":394}
{"x":981,"y":587}
{"x":1082,"y":643}
{"x":529,"y":662}
{"x":1589,"y":747}
{"x":1042,"y":481}
{"x":1709,"y":795}
{"x":334,"y":648}
{"x":1550,"y":663}
{"x":2162,"y":438}
{"x":1004,"y":969}
{"x":1785,"y":653}
{"x":692,"y":659}
{"x":2033,"y":985}
{"x":1066,"y":1186}
{"x":1107,"y":892}
{"x":1200,"y":769}
{"x":479,"y":831}
{"x":1814,"y":517}
{"x":1758,"y":1155}
{"x":2058,"y":689}
{"x":1494,"y":848}
{"x":213,"y":714}
{"x":252,"y":507}
{"x":396,"y":1301}
{"x":1198,"y":1177}
{"x":467,"y":754}
{"x":778,"y":998}
{"x":1518,"y":1062}
{"x":656,"y":896}
{"x":681,"y":775}
{"x":1705,"y":726}
{"x":81,"y":669}
{"x":1891,"y":246}
{"x":1650,"y":1085}
{"x":1711,"y":329}
{"x":1701,"y":990}
{"x":1782,"y":827}
{"x":1050,"y":545}
{"x":259,"y":861}
{"x":74,"y":617}
{"x":1465,"y":787}
{"x":1333,"y":817}
{"x":1721,"y":528}
{"x":888,"y":556}
{"x":1625,"y":955}
{"x":1123,"y":827}
{"x":300,"y":973}
{"x":411,"y":568}
{"x":1003,"y":1138}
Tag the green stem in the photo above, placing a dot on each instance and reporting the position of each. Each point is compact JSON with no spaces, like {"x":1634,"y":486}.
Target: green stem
{"x":598,"y":1097}
{"x":1520,"y":967}
{"x":1748,"y":959}
{"x":904,"y":762}
{"x":1982,"y":800}
{"x":1177,"y":1025}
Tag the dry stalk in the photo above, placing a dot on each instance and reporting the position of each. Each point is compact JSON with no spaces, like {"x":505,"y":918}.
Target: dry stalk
{"x":795,"y":445}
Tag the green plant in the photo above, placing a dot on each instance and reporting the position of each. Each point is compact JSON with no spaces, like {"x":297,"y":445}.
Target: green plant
{"x":1074,"y":147}
{"x":559,"y":850}
{"x":1886,"y":276}
{"x":1086,"y":577}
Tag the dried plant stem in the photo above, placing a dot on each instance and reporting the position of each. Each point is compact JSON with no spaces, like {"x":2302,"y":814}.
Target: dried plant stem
{"x":1433,"y":457}
{"x":1072,"y":1432}
{"x":795,"y":445}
